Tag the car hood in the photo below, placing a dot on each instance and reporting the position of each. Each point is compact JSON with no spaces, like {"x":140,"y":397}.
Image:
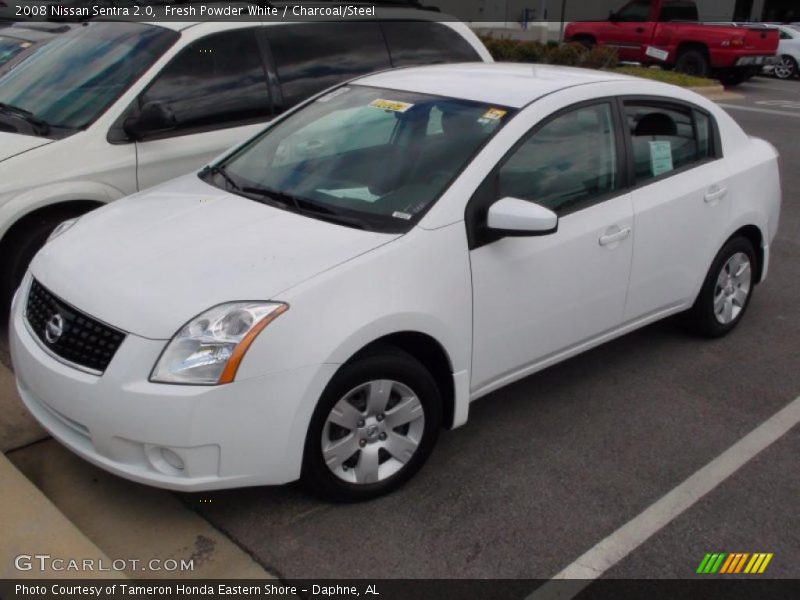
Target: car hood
{"x":12,"y":144}
{"x":150,"y":262}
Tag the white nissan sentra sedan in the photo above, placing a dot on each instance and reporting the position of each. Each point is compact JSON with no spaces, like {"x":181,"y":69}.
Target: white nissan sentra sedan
{"x":321,"y":301}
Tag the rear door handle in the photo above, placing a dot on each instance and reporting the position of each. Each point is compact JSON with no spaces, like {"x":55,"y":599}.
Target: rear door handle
{"x":715,"y":194}
{"x":616,"y":236}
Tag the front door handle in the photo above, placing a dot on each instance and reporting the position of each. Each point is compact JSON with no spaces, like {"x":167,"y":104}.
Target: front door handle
{"x":616,"y":236}
{"x":715,"y":194}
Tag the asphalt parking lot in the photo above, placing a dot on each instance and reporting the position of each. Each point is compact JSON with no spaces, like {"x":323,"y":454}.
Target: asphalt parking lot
{"x":553,"y":464}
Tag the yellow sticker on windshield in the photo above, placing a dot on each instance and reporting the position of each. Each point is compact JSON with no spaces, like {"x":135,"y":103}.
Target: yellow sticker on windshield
{"x":494,"y":114}
{"x":391,"y":105}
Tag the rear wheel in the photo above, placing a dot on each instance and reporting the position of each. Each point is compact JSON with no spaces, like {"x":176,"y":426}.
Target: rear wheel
{"x":374,"y":427}
{"x":786,"y":67}
{"x":693,"y":62}
{"x":735,"y":77}
{"x":727,"y":290}
{"x":585,"y":41}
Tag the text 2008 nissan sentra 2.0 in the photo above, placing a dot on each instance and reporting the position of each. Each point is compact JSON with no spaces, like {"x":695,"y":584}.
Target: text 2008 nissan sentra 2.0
{"x":321,"y":301}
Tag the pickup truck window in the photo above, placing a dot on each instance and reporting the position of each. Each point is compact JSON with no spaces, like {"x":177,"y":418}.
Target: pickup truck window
{"x":637,"y":11}
{"x":679,"y":10}
{"x":665,"y":139}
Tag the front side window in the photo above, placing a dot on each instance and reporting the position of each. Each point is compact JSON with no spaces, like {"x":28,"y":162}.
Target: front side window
{"x":310,"y":57}
{"x":70,"y":81}
{"x":362,"y":156}
{"x":425,"y":43}
{"x":666,"y":138}
{"x":637,"y":11}
{"x":566,"y":164}
{"x":215,"y":81}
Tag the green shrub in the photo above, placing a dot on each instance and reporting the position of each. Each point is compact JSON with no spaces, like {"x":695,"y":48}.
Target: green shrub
{"x":570,"y":55}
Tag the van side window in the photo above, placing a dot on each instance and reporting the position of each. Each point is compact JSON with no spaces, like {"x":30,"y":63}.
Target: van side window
{"x":666,"y":138}
{"x":310,"y":57}
{"x":424,"y":43}
{"x":214,"y":82}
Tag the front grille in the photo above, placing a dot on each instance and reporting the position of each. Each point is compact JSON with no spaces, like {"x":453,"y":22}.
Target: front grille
{"x":82,"y":340}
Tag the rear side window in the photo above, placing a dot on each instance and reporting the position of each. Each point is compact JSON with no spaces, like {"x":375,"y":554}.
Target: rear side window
{"x":313,"y":56}
{"x":424,"y":43}
{"x":216,"y":81}
{"x":679,"y":10}
{"x":667,"y":138}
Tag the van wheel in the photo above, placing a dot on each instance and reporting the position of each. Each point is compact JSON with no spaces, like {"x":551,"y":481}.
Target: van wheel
{"x":374,"y":426}
{"x":19,"y":247}
{"x":727,"y":290}
{"x":693,"y":62}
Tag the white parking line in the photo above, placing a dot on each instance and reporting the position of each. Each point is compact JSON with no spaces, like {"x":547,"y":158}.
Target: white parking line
{"x":766,"y":111}
{"x":608,"y":552}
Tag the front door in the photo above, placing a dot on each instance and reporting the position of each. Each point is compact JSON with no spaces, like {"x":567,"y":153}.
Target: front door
{"x":535,"y":297}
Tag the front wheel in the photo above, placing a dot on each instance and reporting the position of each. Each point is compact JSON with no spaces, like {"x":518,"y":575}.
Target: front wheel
{"x":374,"y":426}
{"x":727,"y":290}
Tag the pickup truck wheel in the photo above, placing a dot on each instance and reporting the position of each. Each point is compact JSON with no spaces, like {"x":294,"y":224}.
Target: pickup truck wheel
{"x":786,"y":67}
{"x":735,"y":77}
{"x":693,"y":62}
{"x":585,"y":41}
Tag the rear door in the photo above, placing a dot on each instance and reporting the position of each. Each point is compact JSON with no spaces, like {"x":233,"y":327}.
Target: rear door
{"x":680,"y":202}
{"x":216,"y":91}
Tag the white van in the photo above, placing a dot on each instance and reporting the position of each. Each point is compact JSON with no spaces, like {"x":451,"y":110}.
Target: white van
{"x":112,"y":108}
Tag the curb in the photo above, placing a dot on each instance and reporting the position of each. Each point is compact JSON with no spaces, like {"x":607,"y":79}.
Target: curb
{"x":32,"y":525}
{"x":714,"y":92}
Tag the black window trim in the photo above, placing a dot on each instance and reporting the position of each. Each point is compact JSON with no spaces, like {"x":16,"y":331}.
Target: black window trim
{"x":477,"y":233}
{"x":116,"y":134}
{"x":715,"y":139}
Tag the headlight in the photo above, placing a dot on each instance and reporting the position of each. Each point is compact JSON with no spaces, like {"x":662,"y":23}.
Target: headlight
{"x":61,"y":228}
{"x":209,"y":348}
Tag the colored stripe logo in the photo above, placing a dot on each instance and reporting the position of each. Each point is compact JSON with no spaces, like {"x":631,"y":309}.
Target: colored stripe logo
{"x":734,"y":563}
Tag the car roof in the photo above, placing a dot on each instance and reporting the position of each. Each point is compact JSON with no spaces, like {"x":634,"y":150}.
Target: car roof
{"x":388,"y":13}
{"x":512,"y":85}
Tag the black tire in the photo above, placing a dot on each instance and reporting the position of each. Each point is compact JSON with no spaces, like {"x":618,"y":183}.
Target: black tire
{"x":693,"y":62}
{"x":701,"y":318}
{"x":19,"y":248}
{"x":381,"y":363}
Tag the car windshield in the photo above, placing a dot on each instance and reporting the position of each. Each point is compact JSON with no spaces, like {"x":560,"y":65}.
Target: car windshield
{"x":362,"y":156}
{"x":10,"y":47}
{"x":68,"y":82}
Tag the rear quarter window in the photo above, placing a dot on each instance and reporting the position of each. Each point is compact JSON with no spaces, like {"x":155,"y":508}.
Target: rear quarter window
{"x":424,"y":43}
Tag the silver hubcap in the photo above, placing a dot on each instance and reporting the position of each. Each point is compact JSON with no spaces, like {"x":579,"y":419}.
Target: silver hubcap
{"x":373,"y":431}
{"x":732,"y":289}
{"x":785,"y":67}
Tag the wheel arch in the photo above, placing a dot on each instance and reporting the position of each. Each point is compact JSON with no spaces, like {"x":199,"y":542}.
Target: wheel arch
{"x":756,"y":237}
{"x":25,"y":219}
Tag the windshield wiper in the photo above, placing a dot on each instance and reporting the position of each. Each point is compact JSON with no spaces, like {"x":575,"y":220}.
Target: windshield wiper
{"x":220,"y":170}
{"x":302,"y":205}
{"x":27,"y":116}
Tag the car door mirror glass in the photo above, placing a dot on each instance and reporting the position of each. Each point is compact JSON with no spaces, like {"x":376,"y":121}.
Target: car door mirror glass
{"x":154,"y":116}
{"x":516,"y":217}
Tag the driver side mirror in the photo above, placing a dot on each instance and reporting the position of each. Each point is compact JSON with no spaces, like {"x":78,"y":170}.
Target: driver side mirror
{"x":513,"y":217}
{"x":154,"y":116}
{"x":612,"y":16}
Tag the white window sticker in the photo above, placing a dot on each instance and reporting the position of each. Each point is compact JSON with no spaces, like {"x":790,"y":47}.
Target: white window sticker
{"x":660,"y":158}
{"x":391,"y":105}
{"x":657,"y":53}
{"x":333,"y":94}
{"x":401,"y":215}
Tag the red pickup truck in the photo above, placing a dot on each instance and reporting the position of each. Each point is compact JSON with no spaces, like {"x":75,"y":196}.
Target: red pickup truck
{"x":666,"y":32}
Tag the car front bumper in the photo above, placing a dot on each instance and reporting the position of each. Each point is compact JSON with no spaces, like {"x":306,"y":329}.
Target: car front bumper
{"x":179,"y":437}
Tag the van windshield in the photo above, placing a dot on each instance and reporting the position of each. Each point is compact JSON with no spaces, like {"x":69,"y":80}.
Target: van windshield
{"x":362,"y":156}
{"x":70,"y":81}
